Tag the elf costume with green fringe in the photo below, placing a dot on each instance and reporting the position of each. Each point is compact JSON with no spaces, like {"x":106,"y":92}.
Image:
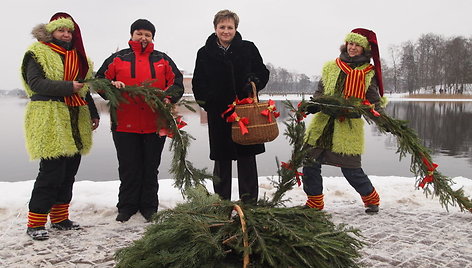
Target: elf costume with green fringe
{"x":58,"y":120}
{"x":48,"y":127}
{"x":338,"y":138}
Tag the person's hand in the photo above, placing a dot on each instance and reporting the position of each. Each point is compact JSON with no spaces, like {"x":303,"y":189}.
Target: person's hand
{"x":247,"y":89}
{"x":77,"y":86}
{"x":252,"y":78}
{"x":309,"y":108}
{"x":118,"y":84}
{"x":95,"y":123}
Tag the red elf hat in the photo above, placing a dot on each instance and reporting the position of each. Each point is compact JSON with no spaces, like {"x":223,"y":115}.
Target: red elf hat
{"x":373,"y":46}
{"x":76,"y":43}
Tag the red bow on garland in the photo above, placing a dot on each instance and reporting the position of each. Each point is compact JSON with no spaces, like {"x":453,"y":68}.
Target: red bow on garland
{"x":372,"y":110}
{"x":429,"y":177}
{"x":167,"y":132}
{"x":271,"y":109}
{"x":301,"y":115}
{"x":297,"y":174}
{"x":242,"y":122}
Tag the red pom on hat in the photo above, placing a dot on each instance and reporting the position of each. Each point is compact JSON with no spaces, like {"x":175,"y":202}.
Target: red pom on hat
{"x":372,"y":38}
{"x":77,"y":44}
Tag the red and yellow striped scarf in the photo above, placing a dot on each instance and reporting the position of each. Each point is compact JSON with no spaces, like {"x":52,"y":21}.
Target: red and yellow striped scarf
{"x":71,"y":71}
{"x":355,"y":80}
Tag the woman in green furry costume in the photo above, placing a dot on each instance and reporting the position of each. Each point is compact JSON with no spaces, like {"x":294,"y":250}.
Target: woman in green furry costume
{"x":336,"y":137}
{"x":59,"y":119}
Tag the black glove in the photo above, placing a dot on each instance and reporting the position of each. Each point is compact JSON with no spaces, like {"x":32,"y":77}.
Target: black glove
{"x":252,"y":78}
{"x":247,"y":89}
{"x":312,"y":109}
{"x":309,"y":108}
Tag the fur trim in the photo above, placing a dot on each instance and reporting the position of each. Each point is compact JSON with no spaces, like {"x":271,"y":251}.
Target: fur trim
{"x":359,"y":39}
{"x":41,"y":34}
{"x":60,"y":23}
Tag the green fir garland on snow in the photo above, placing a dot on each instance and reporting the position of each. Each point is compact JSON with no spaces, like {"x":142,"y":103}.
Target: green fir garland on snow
{"x":206,"y":231}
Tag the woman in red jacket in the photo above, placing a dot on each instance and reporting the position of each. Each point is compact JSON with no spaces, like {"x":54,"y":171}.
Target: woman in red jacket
{"x":135,"y":132}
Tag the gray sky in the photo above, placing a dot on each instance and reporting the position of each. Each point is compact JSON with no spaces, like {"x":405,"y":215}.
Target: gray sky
{"x":299,"y":35}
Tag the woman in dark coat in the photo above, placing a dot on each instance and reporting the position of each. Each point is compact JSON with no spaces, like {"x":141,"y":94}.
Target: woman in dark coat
{"x":224,"y":68}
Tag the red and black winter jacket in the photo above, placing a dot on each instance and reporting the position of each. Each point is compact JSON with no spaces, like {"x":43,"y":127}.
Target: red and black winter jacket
{"x":137,"y":66}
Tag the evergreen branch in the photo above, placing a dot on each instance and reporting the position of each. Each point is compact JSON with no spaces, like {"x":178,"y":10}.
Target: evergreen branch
{"x":407,"y":142}
{"x":288,"y":174}
{"x":184,"y":173}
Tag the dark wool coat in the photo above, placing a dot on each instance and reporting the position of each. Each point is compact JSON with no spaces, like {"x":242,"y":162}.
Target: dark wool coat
{"x":218,"y":77}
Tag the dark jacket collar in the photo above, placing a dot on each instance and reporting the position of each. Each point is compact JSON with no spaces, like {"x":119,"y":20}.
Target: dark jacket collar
{"x":212,"y":47}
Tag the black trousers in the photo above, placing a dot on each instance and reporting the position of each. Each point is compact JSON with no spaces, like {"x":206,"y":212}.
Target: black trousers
{"x":139,"y":157}
{"x":248,"y":182}
{"x":313,"y":181}
{"x":54,"y":183}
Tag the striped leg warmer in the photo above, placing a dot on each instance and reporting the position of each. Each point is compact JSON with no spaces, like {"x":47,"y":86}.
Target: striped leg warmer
{"x":36,"y":220}
{"x":315,"y":201}
{"x":371,"y":199}
{"x":59,"y":212}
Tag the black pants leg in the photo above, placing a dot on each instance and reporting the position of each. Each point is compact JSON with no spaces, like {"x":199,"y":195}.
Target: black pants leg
{"x":312,"y":179}
{"x":152,"y":150}
{"x":359,"y":180}
{"x":128,"y":151}
{"x":54,"y":183}
{"x":139,"y":156}
{"x":248,"y":182}
{"x":222,"y":170}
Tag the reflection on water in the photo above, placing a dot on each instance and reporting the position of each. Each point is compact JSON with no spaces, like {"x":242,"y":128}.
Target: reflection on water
{"x":443,"y":126}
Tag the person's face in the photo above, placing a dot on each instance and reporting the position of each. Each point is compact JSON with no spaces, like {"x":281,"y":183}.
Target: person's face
{"x":225,"y":31}
{"x":143,"y":36}
{"x":354,"y":49}
{"x":63,"y":34}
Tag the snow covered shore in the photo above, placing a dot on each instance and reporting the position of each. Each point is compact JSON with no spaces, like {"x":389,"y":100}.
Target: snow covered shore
{"x":411,"y":230}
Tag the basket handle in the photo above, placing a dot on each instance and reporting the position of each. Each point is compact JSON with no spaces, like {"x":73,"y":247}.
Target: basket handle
{"x":254,"y":92}
{"x":240,"y":213}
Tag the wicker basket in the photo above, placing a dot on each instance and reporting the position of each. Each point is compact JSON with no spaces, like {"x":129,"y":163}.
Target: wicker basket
{"x":259,"y":127}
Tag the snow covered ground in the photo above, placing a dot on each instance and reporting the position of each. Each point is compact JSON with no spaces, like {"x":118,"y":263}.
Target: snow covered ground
{"x":411,"y":230}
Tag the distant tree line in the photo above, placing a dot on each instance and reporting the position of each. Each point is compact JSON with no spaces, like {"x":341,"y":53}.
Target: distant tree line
{"x":281,"y":81}
{"x":433,"y":64}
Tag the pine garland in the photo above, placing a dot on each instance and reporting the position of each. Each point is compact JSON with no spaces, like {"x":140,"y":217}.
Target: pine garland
{"x":288,"y":172}
{"x":206,"y":232}
{"x":408,"y":143}
{"x":185,"y":174}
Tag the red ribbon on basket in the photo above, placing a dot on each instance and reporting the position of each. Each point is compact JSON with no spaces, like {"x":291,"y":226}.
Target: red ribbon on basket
{"x":242,"y":122}
{"x":236,"y":102}
{"x":429,"y":177}
{"x":271,"y":110}
{"x":297,"y":174}
{"x":372,"y":110}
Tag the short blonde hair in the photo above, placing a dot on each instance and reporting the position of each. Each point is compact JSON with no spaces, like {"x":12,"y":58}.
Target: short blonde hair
{"x":224,"y":15}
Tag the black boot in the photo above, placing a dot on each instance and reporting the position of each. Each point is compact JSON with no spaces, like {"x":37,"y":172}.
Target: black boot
{"x":372,"y":209}
{"x":66,"y":225}
{"x":38,"y":233}
{"x":122,"y":217}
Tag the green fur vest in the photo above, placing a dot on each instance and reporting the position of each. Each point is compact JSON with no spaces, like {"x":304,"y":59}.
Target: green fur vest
{"x":52,"y":129}
{"x":347,"y":134}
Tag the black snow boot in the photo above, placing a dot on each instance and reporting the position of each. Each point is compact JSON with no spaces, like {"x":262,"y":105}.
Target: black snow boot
{"x":38,"y":233}
{"x":66,"y":225}
{"x":372,"y":209}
